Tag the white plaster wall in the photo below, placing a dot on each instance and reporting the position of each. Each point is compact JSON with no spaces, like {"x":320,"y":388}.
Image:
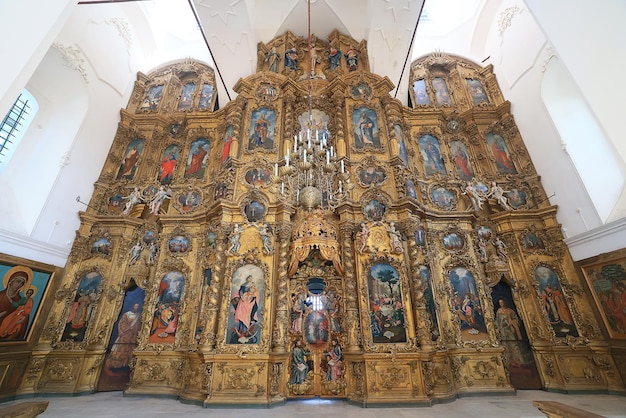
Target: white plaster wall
{"x":62,"y":99}
{"x":589,"y":38}
{"x":28,"y":29}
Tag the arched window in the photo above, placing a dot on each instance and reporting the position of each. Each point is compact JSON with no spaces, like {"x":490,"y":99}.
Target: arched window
{"x":14,"y":125}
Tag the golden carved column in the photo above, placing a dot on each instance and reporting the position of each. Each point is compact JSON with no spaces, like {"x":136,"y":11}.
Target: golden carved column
{"x":207,"y":343}
{"x":420,"y":313}
{"x":288,"y":128}
{"x":352,"y":311}
{"x":234,"y":118}
{"x":340,"y":142}
{"x":281,"y":320}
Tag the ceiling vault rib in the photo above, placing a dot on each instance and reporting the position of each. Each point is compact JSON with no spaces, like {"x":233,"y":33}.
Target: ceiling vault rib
{"x":409,"y":50}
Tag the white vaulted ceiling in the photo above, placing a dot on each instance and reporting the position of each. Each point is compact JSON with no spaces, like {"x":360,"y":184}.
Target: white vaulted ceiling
{"x":234,"y":28}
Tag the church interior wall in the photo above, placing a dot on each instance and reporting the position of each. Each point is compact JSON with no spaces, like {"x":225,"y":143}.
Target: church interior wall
{"x":445,"y":206}
{"x":88,"y":150}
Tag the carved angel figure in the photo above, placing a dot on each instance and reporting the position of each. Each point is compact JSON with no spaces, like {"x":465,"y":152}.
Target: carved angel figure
{"x":234,"y":239}
{"x":266,"y":238}
{"x":135,"y":252}
{"x":475,"y":195}
{"x":497,"y":193}
{"x":394,"y":239}
{"x":361,"y":238}
{"x":132,"y":199}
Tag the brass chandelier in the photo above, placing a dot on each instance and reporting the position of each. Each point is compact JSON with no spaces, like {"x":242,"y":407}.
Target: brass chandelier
{"x":312,"y":176}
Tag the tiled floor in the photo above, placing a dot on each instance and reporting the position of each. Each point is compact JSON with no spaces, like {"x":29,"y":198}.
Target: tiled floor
{"x":114,"y":404}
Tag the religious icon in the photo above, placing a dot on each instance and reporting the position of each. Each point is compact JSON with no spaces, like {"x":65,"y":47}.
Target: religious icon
{"x":554,"y":302}
{"x":101,"y":246}
{"x":82,"y":307}
{"x":246,"y":305}
{"x":168,"y":163}
{"x":228,"y":140}
{"x":477,"y":91}
{"x":189,"y":200}
{"x":467,"y":304}
{"x":410,"y":189}
{"x":419,"y":90}
{"x":153,"y":97}
{"x":375,"y":210}
{"x":431,"y":154}
{"x":257,"y":177}
{"x":20,"y":298}
{"x":532,"y":242}
{"x":167,"y":308}
{"x":206,"y":96}
{"x":186,"y":96}
{"x":516,"y":198}
{"x":178,"y":244}
{"x":365,"y":128}
{"x":123,"y":340}
{"x":398,"y":135}
{"x":443,"y":197}
{"x":197,"y":159}
{"x":386,"y":308}
{"x":372,"y":175}
{"x":461,"y":160}
{"x":262,"y":124}
{"x":441,"y":91}
{"x":131,"y":157}
{"x":501,"y":154}
{"x":453,"y":241}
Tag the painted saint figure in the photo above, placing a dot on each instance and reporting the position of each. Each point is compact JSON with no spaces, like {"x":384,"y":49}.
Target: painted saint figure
{"x":245,"y":301}
{"x":261,"y":130}
{"x":461,"y":160}
{"x":10,"y":296}
{"x":297,"y":312}
{"x":196,"y":160}
{"x":507,"y":322}
{"x":335,"y":361}
{"x":14,"y":325}
{"x":168,"y":163}
{"x":228,"y":140}
{"x":299,"y":366}
{"x":122,"y":349}
{"x":501,"y":154}
{"x":130,"y":161}
{"x":364,"y":130}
